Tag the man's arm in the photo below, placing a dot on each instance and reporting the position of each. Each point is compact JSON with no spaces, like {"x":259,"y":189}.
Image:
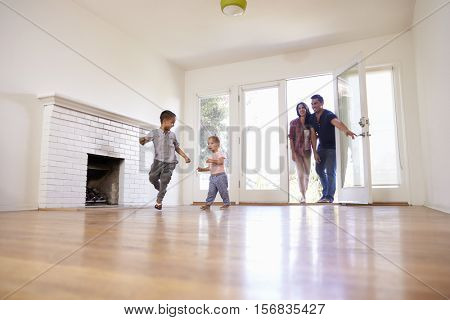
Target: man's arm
{"x":200,"y":169}
{"x":181,"y":153}
{"x":341,"y":126}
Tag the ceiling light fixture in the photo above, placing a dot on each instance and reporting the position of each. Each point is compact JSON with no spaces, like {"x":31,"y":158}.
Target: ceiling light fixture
{"x":233,"y":7}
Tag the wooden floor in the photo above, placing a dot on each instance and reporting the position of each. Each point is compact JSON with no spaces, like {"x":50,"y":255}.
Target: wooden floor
{"x":247,"y":252}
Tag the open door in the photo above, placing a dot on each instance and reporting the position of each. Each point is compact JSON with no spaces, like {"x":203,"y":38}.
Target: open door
{"x":354,"y":183}
{"x":264,"y":174}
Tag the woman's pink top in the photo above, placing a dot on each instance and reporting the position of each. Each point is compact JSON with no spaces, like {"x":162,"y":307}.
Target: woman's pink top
{"x":300,"y":134}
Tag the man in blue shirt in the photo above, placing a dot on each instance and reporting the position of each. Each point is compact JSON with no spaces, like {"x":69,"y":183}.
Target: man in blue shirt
{"x":323,"y":122}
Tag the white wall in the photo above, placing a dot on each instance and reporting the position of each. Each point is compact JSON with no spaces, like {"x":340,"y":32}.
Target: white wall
{"x":32,"y":63}
{"x":20,"y":132}
{"x":432,"y":50}
{"x":313,"y":62}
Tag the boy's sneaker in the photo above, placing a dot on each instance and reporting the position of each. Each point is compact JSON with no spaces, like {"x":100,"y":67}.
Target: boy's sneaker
{"x":205,"y":207}
{"x":158,"y":206}
{"x":225,"y":206}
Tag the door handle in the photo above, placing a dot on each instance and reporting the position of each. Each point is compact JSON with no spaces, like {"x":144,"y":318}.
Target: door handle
{"x":364,"y":134}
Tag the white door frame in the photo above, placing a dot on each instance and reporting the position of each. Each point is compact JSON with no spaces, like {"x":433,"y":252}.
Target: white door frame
{"x":235,"y":92}
{"x":402,"y":193}
{"x":266,"y":196}
{"x":363,"y":194}
{"x":199,"y":195}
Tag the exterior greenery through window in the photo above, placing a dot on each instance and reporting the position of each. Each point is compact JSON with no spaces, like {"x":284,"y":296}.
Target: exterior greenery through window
{"x":214,"y":120}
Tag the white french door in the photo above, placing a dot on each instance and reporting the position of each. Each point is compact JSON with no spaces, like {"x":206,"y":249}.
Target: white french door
{"x":252,"y":123}
{"x":353,"y":182}
{"x":215,"y":117}
{"x":263,"y":122}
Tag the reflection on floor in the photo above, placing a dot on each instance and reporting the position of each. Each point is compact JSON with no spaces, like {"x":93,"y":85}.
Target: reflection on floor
{"x":246,"y":252}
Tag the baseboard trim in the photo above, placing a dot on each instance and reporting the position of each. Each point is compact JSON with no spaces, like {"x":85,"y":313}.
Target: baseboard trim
{"x":196,"y":203}
{"x":96,"y":208}
{"x":387,"y":204}
{"x":269,"y":204}
{"x":20,"y":207}
{"x":438,"y":208}
{"x":396,"y":204}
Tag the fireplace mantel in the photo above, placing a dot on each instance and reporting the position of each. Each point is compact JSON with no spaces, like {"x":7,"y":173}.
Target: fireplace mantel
{"x":73,"y":104}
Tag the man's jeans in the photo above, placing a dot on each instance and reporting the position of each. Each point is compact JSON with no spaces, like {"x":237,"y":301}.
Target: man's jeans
{"x":326,"y":170}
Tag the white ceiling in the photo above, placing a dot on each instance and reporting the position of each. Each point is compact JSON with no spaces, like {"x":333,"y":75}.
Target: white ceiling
{"x":194,"y":33}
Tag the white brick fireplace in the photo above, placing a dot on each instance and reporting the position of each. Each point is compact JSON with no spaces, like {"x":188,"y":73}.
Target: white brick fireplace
{"x":71,"y":131}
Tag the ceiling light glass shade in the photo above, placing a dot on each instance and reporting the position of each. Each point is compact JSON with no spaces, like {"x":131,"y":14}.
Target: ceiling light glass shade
{"x":233,"y":7}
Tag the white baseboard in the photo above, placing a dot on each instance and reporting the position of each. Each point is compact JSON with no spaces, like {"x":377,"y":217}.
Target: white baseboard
{"x":18,"y":207}
{"x":438,"y":208}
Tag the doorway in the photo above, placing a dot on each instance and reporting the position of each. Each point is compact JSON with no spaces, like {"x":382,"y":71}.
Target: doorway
{"x":301,"y":90}
{"x":264,"y":172}
{"x":388,"y":166}
{"x":252,"y":122}
{"x":214,"y":114}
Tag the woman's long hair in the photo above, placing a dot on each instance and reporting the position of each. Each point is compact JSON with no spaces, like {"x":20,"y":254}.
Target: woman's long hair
{"x":308,"y":113}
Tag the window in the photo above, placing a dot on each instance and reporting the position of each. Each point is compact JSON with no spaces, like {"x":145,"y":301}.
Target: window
{"x":383,"y":127}
{"x":214,"y":120}
{"x":262,"y":142}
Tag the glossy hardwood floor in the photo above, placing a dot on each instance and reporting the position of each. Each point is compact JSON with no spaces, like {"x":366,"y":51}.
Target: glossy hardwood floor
{"x":246,"y":252}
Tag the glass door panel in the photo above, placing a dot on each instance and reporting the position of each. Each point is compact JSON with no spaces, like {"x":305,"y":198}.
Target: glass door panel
{"x":349,"y":105}
{"x":264,"y":175}
{"x":353,"y":156}
{"x":214,"y":114}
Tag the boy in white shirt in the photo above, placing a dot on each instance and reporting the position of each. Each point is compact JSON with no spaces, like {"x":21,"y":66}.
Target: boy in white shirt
{"x":166,"y":145}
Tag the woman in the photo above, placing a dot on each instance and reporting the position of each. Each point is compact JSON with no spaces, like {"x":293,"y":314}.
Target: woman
{"x":300,"y":133}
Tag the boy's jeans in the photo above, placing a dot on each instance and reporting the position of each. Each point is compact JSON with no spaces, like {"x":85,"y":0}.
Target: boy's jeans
{"x":160,"y":175}
{"x":326,"y":170}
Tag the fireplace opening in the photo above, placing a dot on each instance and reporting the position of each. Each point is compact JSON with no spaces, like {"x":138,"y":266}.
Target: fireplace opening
{"x":103,"y":180}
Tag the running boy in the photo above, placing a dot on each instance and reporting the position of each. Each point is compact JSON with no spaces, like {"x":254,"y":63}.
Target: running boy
{"x":166,"y":145}
{"x":218,"y":180}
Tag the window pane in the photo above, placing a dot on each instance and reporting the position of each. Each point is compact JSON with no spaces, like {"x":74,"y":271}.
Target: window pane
{"x":214,"y":120}
{"x":383,"y":142}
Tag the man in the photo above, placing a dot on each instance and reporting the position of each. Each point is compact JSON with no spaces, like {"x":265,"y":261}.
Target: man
{"x":323,"y":122}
